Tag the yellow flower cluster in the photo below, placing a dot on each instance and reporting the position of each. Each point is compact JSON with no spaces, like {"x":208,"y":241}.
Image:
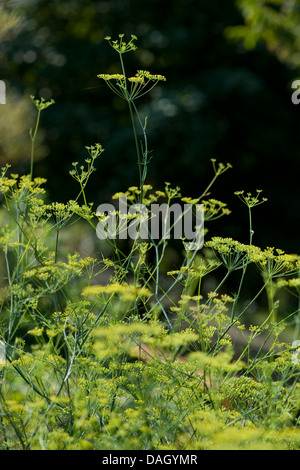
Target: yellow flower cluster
{"x":139,"y":338}
{"x":249,"y":199}
{"x":140,"y":84}
{"x":53,"y":275}
{"x":114,"y":76}
{"x":221,"y":168}
{"x":213,"y":209}
{"x":125,"y":291}
{"x":42,"y":103}
{"x":121,"y":46}
{"x":292,"y":283}
{"x":275,"y":262}
{"x":133,"y":194}
{"x":195,"y":271}
{"x":232,"y":253}
{"x":16,"y":186}
{"x":142,"y":75}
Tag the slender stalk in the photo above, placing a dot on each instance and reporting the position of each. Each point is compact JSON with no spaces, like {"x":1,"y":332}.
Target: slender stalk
{"x":234,"y":320}
{"x":33,"y":137}
{"x":136,"y":146}
{"x":245,"y":265}
{"x":141,"y":164}
{"x":145,"y":152}
{"x":56,"y":245}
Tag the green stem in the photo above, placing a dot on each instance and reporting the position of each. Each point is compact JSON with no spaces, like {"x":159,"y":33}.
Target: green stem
{"x":33,"y":137}
{"x":234,"y":320}
{"x":145,"y":153}
{"x":245,"y":265}
{"x":56,"y":245}
{"x":136,"y":146}
{"x":131,"y":105}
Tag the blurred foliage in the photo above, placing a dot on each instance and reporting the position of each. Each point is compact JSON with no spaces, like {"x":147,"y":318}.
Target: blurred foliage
{"x":14,"y":130}
{"x":276,"y":23}
{"x":9,"y":21}
{"x":221,"y":99}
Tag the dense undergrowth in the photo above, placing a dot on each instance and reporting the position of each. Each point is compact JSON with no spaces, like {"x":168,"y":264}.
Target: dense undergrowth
{"x":116,"y":351}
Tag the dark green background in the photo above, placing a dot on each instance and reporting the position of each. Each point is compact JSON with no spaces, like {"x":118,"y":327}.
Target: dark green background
{"x":219,"y":101}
